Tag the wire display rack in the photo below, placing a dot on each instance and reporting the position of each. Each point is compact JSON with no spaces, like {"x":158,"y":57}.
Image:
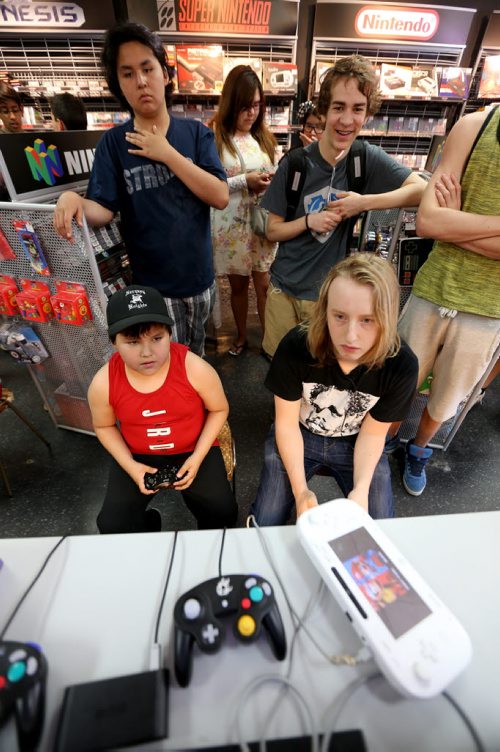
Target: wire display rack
{"x":75,"y":352}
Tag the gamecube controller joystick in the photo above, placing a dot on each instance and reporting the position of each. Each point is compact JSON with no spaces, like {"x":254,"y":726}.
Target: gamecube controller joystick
{"x":247,"y":597}
{"x":23,"y":676}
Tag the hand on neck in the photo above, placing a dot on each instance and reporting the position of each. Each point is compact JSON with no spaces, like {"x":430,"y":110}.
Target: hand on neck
{"x":161,"y":119}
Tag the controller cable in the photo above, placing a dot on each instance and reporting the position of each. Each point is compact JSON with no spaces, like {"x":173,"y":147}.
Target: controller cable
{"x":221,"y":551}
{"x":332,"y":714}
{"x":364,"y":655}
{"x":286,"y":685}
{"x":30,"y":586}
{"x":155,"y":657}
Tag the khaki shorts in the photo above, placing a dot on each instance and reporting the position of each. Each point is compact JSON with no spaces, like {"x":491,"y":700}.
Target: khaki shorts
{"x":283,"y":312}
{"x":457,"y":350}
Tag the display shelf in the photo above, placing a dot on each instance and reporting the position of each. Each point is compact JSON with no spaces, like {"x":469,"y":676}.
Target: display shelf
{"x":475,"y":102}
{"x":417,"y":143}
{"x":40,"y":67}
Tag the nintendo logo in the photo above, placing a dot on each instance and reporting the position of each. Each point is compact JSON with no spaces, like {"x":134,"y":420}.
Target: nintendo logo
{"x":399,"y":23}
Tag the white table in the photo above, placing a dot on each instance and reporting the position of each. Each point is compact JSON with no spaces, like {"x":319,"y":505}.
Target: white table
{"x":93,"y":611}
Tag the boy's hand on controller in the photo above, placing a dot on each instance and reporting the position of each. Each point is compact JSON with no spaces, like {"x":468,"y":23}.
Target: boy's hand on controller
{"x":137,"y":475}
{"x":187,"y":473}
{"x":151,"y":145}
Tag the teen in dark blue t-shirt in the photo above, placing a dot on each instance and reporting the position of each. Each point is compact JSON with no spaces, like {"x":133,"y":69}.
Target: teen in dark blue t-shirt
{"x":162,"y":175}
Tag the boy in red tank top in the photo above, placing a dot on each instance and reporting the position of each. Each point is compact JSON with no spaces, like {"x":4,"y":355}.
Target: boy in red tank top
{"x":156,"y":405}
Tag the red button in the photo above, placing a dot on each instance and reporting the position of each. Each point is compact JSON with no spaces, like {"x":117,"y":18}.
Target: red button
{"x":246,"y":603}
{"x":3,"y":682}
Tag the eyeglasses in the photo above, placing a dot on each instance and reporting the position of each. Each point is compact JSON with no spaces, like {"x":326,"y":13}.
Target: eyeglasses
{"x":316,"y":128}
{"x":253,"y":107}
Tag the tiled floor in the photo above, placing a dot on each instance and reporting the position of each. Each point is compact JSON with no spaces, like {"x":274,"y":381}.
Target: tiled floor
{"x":61,"y":494}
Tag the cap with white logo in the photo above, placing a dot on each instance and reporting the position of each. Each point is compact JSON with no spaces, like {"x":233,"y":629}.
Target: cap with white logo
{"x":136,"y":305}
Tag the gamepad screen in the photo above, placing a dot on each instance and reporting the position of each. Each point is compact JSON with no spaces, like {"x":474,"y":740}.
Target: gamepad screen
{"x":391,"y":597}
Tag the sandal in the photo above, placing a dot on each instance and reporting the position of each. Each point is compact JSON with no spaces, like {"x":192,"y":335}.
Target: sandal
{"x":236,"y":349}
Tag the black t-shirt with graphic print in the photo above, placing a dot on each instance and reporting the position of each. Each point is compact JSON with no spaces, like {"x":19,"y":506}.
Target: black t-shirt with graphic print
{"x":333,"y":403}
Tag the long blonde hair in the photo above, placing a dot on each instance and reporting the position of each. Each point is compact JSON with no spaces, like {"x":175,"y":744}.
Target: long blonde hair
{"x":365,"y":269}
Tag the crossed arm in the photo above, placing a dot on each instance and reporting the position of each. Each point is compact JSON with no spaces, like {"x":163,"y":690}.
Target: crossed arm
{"x":440,"y":215}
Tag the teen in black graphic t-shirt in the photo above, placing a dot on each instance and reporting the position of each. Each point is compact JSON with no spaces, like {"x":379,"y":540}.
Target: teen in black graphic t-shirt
{"x":338,"y":382}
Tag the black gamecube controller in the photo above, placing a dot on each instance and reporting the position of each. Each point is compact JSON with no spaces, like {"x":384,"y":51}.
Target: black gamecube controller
{"x":247,"y":598}
{"x":167,"y":475}
{"x":23,"y":677}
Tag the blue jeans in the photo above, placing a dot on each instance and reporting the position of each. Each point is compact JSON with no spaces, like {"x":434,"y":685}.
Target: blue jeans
{"x":275,"y":501}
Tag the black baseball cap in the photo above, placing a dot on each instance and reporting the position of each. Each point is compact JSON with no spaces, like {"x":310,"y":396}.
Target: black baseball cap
{"x":136,"y":304}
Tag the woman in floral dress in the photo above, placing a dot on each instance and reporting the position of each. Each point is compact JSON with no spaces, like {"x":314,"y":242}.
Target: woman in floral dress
{"x":247,"y":150}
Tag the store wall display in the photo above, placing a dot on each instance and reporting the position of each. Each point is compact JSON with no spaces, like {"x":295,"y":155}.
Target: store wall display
{"x":410,"y":46}
{"x":379,"y":24}
{"x":84,"y":14}
{"x":202,"y":17}
{"x":35,"y":163}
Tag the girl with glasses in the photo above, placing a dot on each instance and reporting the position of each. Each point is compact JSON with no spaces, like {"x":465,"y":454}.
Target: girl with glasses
{"x":247,"y":150}
{"x":312,"y":123}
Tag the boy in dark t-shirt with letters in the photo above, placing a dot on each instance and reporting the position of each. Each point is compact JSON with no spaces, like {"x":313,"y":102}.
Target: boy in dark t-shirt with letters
{"x":337,"y":381}
{"x":162,"y":174}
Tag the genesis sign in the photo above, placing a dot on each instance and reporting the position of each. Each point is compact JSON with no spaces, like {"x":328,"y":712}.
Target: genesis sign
{"x":39,"y":14}
{"x":386,"y":22}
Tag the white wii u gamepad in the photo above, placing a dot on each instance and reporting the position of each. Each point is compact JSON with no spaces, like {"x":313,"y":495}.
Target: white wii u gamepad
{"x":416,"y":641}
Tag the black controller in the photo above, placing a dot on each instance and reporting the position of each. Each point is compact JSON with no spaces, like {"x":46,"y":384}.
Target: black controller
{"x":246,"y":597}
{"x":23,"y":677}
{"x":166,"y":475}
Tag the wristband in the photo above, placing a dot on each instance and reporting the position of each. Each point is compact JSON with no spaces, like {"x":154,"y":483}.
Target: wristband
{"x":307,"y":222}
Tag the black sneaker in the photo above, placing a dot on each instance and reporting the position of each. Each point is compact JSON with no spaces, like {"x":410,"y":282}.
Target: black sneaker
{"x":153,"y":520}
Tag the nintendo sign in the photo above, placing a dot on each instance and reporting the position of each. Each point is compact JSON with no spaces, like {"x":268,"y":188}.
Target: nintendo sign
{"x":386,"y":22}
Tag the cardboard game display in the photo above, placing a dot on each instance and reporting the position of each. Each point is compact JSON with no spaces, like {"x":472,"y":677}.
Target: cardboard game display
{"x":279,"y":78}
{"x":22,"y":343}
{"x":31,"y":247}
{"x":255,"y":64}
{"x":455,"y":82}
{"x":34,"y":301}
{"x":395,"y":80}
{"x":200,"y":69}
{"x":424,"y":82}
{"x":8,"y":292}
{"x":489,"y":86}
{"x":70,"y":303}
